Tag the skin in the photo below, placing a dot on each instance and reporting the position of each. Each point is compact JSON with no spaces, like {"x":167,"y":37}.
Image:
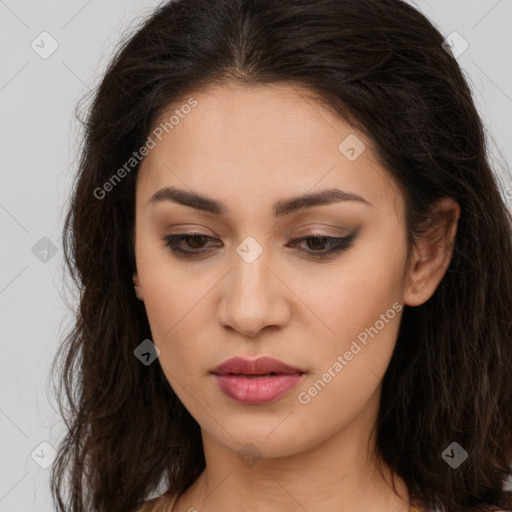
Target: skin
{"x":250,"y":147}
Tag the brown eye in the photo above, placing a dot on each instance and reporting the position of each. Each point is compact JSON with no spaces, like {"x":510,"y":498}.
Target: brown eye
{"x":321,"y":246}
{"x":316,"y":243}
{"x":197,"y":241}
{"x":188,"y":244}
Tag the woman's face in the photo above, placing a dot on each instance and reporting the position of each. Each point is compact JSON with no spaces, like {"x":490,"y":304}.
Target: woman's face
{"x":250,"y":286}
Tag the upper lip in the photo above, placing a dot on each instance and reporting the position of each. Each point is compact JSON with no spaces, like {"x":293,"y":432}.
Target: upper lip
{"x":259,"y":366}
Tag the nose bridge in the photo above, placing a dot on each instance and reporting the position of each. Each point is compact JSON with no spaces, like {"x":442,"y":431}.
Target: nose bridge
{"x":250,"y":269}
{"x":250,"y":297}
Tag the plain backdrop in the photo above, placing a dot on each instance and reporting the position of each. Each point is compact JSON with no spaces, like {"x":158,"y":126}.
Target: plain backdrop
{"x":39,"y":144}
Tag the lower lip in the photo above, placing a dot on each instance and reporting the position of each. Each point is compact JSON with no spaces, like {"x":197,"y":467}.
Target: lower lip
{"x":257,"y":390}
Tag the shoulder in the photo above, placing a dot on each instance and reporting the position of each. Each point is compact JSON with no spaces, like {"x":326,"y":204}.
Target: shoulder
{"x":162,"y":503}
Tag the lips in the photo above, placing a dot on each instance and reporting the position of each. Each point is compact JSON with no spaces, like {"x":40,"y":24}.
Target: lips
{"x":263,"y":366}
{"x":256,"y":382}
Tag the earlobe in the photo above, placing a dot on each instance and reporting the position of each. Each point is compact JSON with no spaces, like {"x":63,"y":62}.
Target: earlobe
{"x":137,"y":286}
{"x":432,"y":253}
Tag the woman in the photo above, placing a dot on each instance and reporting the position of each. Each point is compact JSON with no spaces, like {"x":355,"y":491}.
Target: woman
{"x":295,"y":270}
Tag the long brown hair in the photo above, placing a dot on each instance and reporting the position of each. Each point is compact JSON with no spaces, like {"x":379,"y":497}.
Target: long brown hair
{"x":381,"y":65}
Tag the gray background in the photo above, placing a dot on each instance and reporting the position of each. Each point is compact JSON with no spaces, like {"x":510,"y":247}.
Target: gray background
{"x":39,"y":143}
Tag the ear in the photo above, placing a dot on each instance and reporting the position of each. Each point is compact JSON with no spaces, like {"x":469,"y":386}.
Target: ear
{"x":432,"y":253}
{"x":137,"y":286}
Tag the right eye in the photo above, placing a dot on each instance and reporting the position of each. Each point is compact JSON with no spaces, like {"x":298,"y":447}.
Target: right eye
{"x":194,"y":241}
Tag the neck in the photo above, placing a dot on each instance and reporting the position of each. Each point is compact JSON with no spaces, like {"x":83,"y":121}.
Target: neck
{"x":340,"y":473}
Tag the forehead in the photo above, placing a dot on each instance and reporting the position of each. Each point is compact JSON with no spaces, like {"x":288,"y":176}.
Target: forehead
{"x":260,"y":141}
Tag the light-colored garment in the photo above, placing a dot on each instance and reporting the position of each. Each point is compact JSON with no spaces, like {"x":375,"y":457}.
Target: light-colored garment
{"x":158,"y":504}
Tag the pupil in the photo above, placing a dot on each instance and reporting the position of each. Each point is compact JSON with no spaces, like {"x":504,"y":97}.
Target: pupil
{"x":314,"y":240}
{"x":194,"y":239}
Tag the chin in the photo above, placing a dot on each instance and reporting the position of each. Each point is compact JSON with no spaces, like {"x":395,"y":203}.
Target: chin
{"x":264,"y":442}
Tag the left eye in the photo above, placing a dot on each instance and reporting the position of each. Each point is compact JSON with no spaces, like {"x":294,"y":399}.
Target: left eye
{"x":316,"y":242}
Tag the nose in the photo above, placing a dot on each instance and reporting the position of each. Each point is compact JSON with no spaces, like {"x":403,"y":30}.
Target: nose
{"x":254,"y":297}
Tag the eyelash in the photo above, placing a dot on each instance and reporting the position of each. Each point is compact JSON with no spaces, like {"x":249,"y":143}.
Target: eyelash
{"x":339,"y":244}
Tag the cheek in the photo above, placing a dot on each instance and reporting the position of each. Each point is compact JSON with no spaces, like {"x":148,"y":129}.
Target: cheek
{"x":169,"y":292}
{"x":176,"y":304}
{"x":161,"y":291}
{"x":172,"y":313}
{"x":351,"y":294}
{"x":347,"y":366}
{"x":360,"y":308}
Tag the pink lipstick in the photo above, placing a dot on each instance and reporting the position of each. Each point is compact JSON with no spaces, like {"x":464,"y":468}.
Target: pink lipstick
{"x":257,"y":381}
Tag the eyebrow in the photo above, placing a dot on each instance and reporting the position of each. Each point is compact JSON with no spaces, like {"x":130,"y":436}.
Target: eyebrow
{"x":281,"y":208}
